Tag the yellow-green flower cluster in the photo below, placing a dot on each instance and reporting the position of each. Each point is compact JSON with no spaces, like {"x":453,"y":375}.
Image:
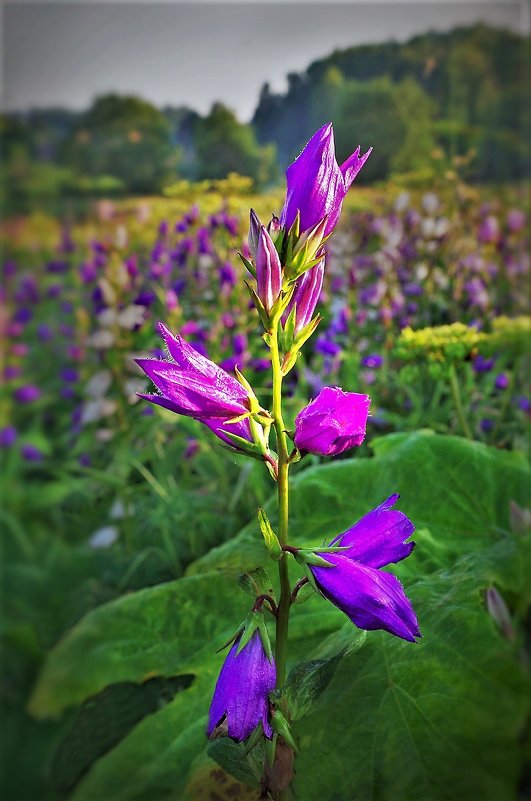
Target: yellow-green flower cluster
{"x":458,"y":342}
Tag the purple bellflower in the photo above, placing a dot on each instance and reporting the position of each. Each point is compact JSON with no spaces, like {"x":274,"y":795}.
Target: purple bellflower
{"x":241,"y":696}
{"x":332,"y":423}
{"x":371,"y":598}
{"x":306,"y":296}
{"x":268,"y":270}
{"x":192,"y":385}
{"x":317,"y":185}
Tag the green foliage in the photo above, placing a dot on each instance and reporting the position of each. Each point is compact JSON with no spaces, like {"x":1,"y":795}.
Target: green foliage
{"x":125,"y":137}
{"x":441,"y":720}
{"x":224,"y":146}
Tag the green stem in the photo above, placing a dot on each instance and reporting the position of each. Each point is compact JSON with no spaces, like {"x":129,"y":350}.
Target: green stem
{"x":281,"y":643}
{"x":456,"y":395}
{"x":283,"y":507}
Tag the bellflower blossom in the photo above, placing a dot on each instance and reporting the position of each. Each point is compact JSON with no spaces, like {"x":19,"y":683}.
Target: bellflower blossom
{"x":241,"y":695}
{"x":371,"y":598}
{"x":317,"y":185}
{"x":192,"y":385}
{"x":332,"y":423}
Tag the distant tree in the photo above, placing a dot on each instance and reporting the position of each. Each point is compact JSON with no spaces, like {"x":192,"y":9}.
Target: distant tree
{"x":124,"y":137}
{"x":225,"y":145}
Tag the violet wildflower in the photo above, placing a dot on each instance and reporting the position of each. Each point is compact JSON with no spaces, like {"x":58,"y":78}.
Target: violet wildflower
{"x":268,"y":270}
{"x":502,"y":381}
{"x":8,"y":436}
{"x":192,"y":385}
{"x":241,"y":696}
{"x":317,"y":185}
{"x":371,"y":598}
{"x":373,"y":361}
{"x":27,"y":393}
{"x":332,"y":423}
{"x":30,"y":453}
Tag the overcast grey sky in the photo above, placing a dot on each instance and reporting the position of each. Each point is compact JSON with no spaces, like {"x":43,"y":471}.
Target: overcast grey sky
{"x":193,"y":54}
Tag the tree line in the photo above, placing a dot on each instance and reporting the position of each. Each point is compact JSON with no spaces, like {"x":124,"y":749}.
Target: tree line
{"x":460,"y":93}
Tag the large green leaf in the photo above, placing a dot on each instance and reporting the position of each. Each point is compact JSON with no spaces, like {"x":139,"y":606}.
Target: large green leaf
{"x":397,"y":721}
{"x":459,"y":490}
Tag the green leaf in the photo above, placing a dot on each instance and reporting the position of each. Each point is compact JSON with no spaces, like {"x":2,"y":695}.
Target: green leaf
{"x":308,"y":680}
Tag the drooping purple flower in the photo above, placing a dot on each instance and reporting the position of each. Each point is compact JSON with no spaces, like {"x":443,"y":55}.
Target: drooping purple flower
{"x":306,"y":296}
{"x":371,"y":598}
{"x":241,"y":696}
{"x":192,"y":385}
{"x":268,"y":270}
{"x":332,"y":423}
{"x":515,"y":220}
{"x":373,"y":361}
{"x":316,"y":185}
{"x":489,"y":230}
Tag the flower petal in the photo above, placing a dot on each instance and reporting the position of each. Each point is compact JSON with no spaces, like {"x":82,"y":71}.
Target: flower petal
{"x":379,"y":537}
{"x":242,"y":690}
{"x":370,"y":598}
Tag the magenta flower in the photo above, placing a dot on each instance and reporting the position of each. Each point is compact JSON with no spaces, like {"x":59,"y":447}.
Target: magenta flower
{"x":192,"y":385}
{"x":371,"y":598}
{"x":332,"y":423}
{"x":268,"y":270}
{"x":316,"y":184}
{"x":241,"y":696}
{"x":306,"y":296}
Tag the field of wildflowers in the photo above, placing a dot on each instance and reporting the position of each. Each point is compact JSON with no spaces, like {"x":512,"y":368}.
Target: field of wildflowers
{"x":123,"y":523}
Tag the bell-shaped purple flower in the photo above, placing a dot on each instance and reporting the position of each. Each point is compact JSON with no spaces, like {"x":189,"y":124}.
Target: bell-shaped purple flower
{"x":241,"y":696}
{"x":306,"y":296}
{"x":192,"y":385}
{"x":268,"y":270}
{"x":332,"y":423}
{"x":316,"y":184}
{"x":371,"y":598}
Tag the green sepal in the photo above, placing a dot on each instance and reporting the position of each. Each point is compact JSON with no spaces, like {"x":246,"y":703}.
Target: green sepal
{"x":243,"y":381}
{"x":289,"y":361}
{"x":267,"y":339}
{"x":288,"y":332}
{"x":264,"y":636}
{"x":253,"y":739}
{"x":311,"y":579}
{"x":260,"y":308}
{"x":306,"y":332}
{"x":241,"y":444}
{"x":238,"y":418}
{"x":249,"y":627}
{"x":311,"y":559}
{"x":325,"y":548}
{"x":231,"y":638}
{"x":257,"y":582}
{"x":273,"y":546}
{"x":280,"y":725}
{"x":270,"y":747}
{"x":250,"y":266}
{"x":295,"y":456}
{"x":304,"y":593}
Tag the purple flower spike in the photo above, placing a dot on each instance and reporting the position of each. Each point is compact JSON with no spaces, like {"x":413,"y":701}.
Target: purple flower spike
{"x":306,"y":296}
{"x":332,"y":423}
{"x":370,"y":598}
{"x":27,"y":393}
{"x":316,"y":184}
{"x":241,"y":696}
{"x":8,"y":436}
{"x":192,"y":385}
{"x":268,"y":270}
